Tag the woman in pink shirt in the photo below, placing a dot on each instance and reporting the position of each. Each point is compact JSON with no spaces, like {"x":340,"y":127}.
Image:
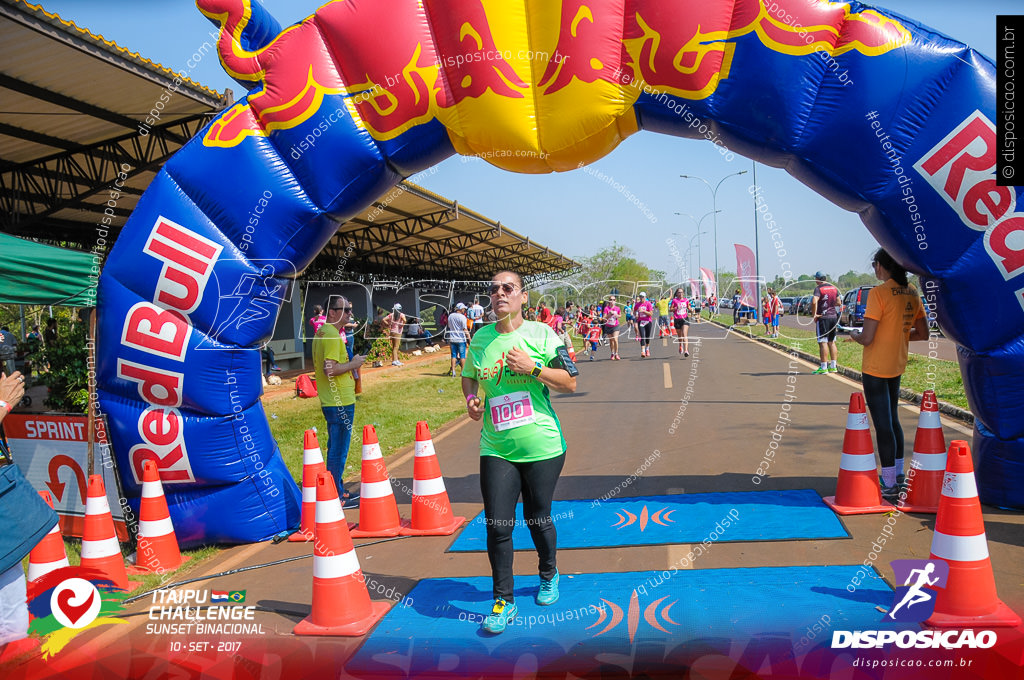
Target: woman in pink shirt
{"x":679,"y":308}
{"x":612,"y":312}
{"x":318,"y":319}
{"x":644,"y":312}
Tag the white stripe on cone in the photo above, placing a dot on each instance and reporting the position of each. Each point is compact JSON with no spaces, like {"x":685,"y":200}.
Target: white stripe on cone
{"x":335,"y":566}
{"x":372,"y":452}
{"x":856,"y":421}
{"x":309,"y":494}
{"x":152,"y":489}
{"x":929,"y":461}
{"x":96,"y":505}
{"x":312,"y":456}
{"x":959,"y":485}
{"x":960,"y":548}
{"x":376,"y":489}
{"x":857,"y":462}
{"x":425,"y":448}
{"x":329,"y":511}
{"x":929,"y":420}
{"x":37,"y":569}
{"x":104,"y":547}
{"x":152,"y":528}
{"x":428,"y":487}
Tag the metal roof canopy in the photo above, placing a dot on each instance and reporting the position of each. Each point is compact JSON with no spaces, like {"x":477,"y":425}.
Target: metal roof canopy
{"x":411,"y":233}
{"x":73,"y":106}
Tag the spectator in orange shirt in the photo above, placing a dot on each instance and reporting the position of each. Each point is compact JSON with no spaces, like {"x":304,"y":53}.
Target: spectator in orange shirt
{"x":894,"y":316}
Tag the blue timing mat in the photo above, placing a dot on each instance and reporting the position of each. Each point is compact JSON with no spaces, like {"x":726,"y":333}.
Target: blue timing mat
{"x":684,"y":518}
{"x":645,"y":616}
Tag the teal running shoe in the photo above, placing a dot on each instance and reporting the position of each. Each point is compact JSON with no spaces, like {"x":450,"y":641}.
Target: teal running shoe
{"x":548,"y":593}
{"x":500,"y":615}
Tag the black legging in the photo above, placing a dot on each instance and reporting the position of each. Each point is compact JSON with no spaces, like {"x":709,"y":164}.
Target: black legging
{"x":883,"y":399}
{"x":501,"y":482}
{"x":645,"y":333}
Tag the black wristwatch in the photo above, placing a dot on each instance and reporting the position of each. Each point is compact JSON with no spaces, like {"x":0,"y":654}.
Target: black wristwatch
{"x":536,"y":370}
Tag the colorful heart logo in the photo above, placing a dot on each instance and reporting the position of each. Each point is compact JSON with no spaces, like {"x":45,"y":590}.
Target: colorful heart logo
{"x":74,"y":612}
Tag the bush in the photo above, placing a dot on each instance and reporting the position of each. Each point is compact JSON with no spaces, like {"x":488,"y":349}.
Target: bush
{"x":67,"y":378}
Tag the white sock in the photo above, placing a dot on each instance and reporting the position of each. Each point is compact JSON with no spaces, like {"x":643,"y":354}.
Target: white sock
{"x":889,"y":475}
{"x":832,"y":364}
{"x":899,"y":466}
{"x":824,"y":364}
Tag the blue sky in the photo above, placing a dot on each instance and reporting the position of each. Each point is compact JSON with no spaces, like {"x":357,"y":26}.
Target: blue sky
{"x":575,"y":213}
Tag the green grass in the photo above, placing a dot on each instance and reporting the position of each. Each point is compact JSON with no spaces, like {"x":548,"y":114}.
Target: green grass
{"x":922,"y":373}
{"x":392,"y":404}
{"x":73,"y":548}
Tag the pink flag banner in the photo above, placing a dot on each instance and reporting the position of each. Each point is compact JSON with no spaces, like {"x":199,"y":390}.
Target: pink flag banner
{"x":709,"y":281}
{"x":693,"y":288}
{"x":746,"y":271}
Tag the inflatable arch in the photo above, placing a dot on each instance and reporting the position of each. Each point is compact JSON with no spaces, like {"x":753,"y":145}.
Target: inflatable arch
{"x":879,"y":114}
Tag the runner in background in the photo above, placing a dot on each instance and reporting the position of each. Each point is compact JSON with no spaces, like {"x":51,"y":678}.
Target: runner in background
{"x":516,"y":364}
{"x":593,"y":339}
{"x":680,"y":310}
{"x":662,"y":314}
{"x":473,"y":315}
{"x":824,"y":304}
{"x":457,"y":334}
{"x":645,"y":324}
{"x":612,"y":313}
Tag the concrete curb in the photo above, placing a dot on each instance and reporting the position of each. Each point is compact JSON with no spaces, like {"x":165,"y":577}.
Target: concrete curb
{"x":907,"y":395}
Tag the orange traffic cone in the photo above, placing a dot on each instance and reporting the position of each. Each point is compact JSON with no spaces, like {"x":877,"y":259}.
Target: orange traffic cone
{"x":378,"y":510}
{"x":312,"y":465}
{"x":928,"y":466}
{"x":158,"y":546}
{"x":857,"y":489}
{"x":341,"y":602}
{"x":100,"y":549}
{"x":48,"y":554}
{"x":969,"y":598}
{"x":431,"y":509}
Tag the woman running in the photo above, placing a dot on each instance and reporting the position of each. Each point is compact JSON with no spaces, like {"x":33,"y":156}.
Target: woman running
{"x":894,"y":316}
{"x":645,"y":324}
{"x":679,"y":308}
{"x":516,"y":363}
{"x":612,"y":312}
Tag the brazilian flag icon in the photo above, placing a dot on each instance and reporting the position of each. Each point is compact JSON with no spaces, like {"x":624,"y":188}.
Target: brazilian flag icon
{"x":237,"y":596}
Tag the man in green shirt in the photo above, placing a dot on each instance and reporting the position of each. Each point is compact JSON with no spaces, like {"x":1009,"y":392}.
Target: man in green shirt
{"x":514,"y":364}
{"x":336,"y":387}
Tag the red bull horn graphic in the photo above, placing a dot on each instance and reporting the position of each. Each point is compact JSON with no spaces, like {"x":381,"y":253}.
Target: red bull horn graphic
{"x":587,"y":54}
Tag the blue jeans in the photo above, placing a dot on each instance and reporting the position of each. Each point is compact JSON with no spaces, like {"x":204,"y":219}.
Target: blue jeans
{"x":339,"y":436}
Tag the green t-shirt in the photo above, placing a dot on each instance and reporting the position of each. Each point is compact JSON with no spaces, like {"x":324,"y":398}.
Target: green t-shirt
{"x":527,"y":428}
{"x":341,"y":389}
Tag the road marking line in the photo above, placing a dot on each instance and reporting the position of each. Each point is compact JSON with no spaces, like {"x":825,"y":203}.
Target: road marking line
{"x":664,"y":342}
{"x":668,"y":375}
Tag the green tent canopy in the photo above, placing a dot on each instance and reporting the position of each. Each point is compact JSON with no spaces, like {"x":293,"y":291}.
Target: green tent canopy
{"x":37,"y":274}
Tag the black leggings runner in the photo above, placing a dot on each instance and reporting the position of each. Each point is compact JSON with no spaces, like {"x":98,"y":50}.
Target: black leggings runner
{"x":883,"y":399}
{"x":501,"y":482}
{"x":645,"y":333}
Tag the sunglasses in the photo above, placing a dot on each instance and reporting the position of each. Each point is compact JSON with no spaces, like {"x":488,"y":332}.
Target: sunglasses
{"x":509,"y":288}
{"x":341,"y":309}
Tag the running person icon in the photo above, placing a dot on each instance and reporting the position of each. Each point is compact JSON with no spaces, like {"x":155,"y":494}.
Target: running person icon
{"x":916,"y":594}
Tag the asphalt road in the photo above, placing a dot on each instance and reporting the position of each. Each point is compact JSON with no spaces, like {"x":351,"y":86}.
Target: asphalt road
{"x":709,"y":418}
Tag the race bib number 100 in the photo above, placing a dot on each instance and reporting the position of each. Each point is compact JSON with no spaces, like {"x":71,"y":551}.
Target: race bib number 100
{"x":511,"y":410}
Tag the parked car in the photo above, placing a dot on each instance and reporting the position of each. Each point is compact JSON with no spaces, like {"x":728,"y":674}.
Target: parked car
{"x":851,"y":314}
{"x":787,"y":305}
{"x":725,"y":303}
{"x":803,"y":304}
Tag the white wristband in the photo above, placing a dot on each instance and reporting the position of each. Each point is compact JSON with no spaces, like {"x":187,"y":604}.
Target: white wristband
{"x":5,"y":406}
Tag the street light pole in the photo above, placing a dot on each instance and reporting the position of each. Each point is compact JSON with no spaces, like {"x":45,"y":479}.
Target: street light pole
{"x":715,"y":211}
{"x":699,"y":233}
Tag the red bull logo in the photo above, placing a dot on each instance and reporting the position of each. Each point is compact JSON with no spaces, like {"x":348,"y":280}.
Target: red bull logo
{"x":475,"y":67}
